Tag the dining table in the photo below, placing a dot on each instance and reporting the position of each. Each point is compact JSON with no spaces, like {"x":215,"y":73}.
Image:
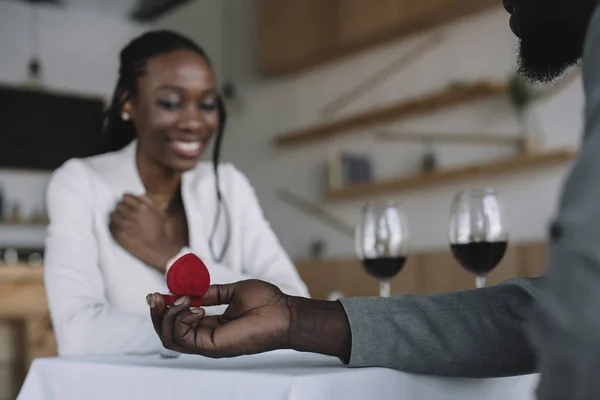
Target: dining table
{"x":275,"y":375}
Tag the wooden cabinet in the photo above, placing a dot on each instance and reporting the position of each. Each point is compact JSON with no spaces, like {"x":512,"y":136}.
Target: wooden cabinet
{"x":298,"y":34}
{"x":359,"y":20}
{"x":412,"y":11}
{"x":294,"y":32}
{"x":24,"y":308}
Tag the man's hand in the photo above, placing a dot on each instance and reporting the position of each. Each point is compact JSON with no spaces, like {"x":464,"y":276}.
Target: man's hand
{"x":259,"y":318}
{"x":139,"y":225}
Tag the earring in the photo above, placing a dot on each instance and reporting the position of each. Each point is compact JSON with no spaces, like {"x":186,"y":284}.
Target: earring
{"x":125,"y":116}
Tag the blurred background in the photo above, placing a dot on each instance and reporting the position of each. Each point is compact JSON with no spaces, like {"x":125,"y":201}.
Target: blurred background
{"x":332,"y":103}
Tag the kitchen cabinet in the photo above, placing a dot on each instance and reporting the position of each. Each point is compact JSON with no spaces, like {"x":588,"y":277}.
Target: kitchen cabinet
{"x":295,"y":35}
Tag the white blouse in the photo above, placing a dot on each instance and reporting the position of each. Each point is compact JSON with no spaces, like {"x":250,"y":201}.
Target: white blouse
{"x":97,"y":290}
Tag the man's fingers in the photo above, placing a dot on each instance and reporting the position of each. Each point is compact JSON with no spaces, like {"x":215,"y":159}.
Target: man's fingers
{"x":168,"y":322}
{"x":168,"y":326}
{"x":212,"y":322}
{"x":191,"y":333}
{"x":219,"y":294}
{"x":185,"y":329}
{"x":191,"y":316}
{"x":157,"y":309}
{"x":157,"y":312}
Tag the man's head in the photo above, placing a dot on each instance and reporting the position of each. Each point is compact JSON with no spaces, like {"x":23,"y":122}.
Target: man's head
{"x":551,"y":34}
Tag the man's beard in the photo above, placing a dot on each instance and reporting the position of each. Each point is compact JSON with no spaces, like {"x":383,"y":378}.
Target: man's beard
{"x":546,"y":51}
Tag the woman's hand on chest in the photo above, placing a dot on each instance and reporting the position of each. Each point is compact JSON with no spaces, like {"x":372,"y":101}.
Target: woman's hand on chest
{"x":147,"y":231}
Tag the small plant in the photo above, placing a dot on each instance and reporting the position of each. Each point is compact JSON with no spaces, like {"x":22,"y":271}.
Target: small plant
{"x":521,"y":94}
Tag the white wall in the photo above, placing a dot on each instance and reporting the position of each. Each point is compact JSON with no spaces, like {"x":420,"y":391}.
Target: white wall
{"x":480,"y":47}
{"x":79,"y":49}
{"x":226,"y":30}
{"x":79,"y":52}
{"x":201,"y":21}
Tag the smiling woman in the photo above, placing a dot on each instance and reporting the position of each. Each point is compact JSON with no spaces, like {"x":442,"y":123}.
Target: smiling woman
{"x":119,"y":219}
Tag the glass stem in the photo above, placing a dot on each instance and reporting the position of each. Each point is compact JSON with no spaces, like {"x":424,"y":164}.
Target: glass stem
{"x":480,"y":281}
{"x":384,"y":289}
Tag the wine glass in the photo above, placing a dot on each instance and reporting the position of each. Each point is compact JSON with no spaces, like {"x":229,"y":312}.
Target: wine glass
{"x":478,"y":235}
{"x":382,"y":242}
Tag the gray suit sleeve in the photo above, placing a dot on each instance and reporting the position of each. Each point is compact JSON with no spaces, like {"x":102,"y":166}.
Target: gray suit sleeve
{"x":473,"y":333}
{"x":566,"y":324}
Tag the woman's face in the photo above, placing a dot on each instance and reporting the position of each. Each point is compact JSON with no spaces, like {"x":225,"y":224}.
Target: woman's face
{"x":175,"y":110}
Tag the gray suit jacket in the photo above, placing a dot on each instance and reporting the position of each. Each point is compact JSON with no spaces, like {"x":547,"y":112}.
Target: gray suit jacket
{"x":566,"y":323}
{"x":473,"y":333}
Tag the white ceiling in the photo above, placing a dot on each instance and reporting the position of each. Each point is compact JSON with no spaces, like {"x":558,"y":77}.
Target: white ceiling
{"x":114,"y":7}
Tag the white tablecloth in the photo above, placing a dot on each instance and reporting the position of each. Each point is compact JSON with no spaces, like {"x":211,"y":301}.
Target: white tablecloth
{"x":271,"y":376}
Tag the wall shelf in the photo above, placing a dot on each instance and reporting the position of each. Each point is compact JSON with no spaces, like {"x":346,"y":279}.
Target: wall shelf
{"x":469,"y":138}
{"x":504,"y":165}
{"x":453,"y":96}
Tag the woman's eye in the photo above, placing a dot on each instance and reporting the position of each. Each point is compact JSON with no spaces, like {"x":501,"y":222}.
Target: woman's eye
{"x":168,"y":104}
{"x":208,"y":105}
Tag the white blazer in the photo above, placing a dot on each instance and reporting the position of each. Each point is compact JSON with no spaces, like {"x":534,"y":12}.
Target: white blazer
{"x":97,"y":290}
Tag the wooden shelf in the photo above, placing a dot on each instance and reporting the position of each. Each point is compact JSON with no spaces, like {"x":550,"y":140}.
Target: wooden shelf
{"x":453,"y":96}
{"x":504,"y":165}
{"x":470,"y":138}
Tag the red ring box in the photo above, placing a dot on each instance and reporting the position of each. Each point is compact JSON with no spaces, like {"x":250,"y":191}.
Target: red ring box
{"x":188,"y":276}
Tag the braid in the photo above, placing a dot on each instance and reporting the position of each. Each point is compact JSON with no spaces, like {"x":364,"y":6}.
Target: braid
{"x":119,"y":133}
{"x":220,"y":199}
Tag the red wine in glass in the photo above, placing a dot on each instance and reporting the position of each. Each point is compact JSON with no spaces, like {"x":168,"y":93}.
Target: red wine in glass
{"x":479,"y":258}
{"x":384,"y":268}
{"x":478,"y":235}
{"x":382,"y":242}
